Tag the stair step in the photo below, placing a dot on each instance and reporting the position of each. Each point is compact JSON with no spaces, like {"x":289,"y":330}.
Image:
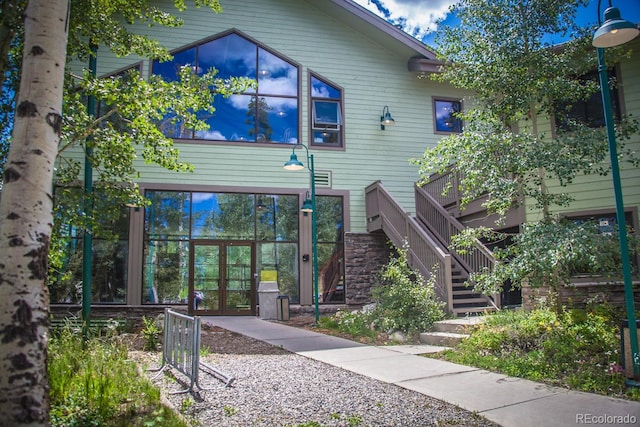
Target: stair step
{"x":465,"y":292}
{"x":443,"y":339}
{"x":461,"y":325}
{"x":464,"y":311}
{"x":473,"y":299}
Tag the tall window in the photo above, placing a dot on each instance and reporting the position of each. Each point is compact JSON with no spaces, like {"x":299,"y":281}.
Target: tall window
{"x":330,"y":227}
{"x":445,"y":115}
{"x":326,"y":113}
{"x":267,"y":115}
{"x":588,"y":111}
{"x":109,"y":259}
{"x":175,"y":218}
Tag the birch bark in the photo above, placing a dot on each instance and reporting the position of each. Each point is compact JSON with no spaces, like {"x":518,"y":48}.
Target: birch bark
{"x":26,"y":217}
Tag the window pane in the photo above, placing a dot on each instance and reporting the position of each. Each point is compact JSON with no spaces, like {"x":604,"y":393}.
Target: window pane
{"x":277,"y":119}
{"x":590,"y":111}
{"x":278,"y":262}
{"x":331,"y":272}
{"x":166,"y":272}
{"x":326,"y":137}
{"x":168,"y":215}
{"x":277,"y":218}
{"x":320,"y":89}
{"x":109,"y":271}
{"x":169,"y":70}
{"x":329,"y":218}
{"x":445,"y":112}
{"x":232,"y":56}
{"x":276,"y":76}
{"x":205,"y":209}
{"x":231,"y":121}
{"x":223,"y":216}
{"x":326,"y":113}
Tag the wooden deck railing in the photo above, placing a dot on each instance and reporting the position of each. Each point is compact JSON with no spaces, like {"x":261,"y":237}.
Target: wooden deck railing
{"x":424,"y":251}
{"x":444,"y":227}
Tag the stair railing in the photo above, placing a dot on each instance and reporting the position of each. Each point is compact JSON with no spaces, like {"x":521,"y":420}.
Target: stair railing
{"x":424,"y":252}
{"x":444,"y":226}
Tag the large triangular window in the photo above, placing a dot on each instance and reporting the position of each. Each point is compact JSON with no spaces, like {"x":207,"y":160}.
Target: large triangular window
{"x":268,"y":114}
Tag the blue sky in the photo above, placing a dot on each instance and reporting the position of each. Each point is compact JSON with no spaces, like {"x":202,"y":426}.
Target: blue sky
{"x":419,"y":16}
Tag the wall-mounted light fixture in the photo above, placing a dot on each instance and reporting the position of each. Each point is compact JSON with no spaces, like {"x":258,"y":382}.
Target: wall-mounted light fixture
{"x":386,"y":119}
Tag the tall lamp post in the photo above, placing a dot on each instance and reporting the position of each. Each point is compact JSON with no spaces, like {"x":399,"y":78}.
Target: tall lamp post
{"x":309,"y":206}
{"x":616,"y":31}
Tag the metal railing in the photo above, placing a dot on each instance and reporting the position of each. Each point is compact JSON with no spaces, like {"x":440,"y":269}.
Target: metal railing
{"x":424,"y":252}
{"x":181,"y":350}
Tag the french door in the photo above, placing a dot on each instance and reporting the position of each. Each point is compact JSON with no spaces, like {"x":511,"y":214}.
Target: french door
{"x":222,"y":278}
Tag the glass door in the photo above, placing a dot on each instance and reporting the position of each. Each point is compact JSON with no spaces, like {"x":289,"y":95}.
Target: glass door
{"x":239,"y":289}
{"x":221,"y":278}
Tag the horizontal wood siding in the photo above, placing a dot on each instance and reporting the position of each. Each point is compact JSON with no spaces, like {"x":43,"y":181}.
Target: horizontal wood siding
{"x":371,"y":75}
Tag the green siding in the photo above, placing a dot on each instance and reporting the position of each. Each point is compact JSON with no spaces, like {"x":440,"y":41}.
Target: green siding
{"x":371,"y":76}
{"x":593,"y":192}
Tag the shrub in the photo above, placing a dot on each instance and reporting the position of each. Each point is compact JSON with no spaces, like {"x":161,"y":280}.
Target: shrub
{"x":151,"y":334}
{"x":404,"y":301}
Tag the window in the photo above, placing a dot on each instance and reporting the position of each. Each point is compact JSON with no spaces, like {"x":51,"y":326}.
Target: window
{"x":109,"y":255}
{"x":330,"y":249}
{"x":445,"y":116}
{"x":175,"y":218}
{"x":588,"y":111}
{"x":268,"y":114}
{"x":326,"y":113}
{"x":605,"y":224}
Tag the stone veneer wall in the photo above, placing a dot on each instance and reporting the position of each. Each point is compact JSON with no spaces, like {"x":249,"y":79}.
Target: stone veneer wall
{"x":365,"y":254}
{"x":581,"y":291}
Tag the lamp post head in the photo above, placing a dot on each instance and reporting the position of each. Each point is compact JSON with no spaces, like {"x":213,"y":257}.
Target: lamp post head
{"x":307,"y":206}
{"x":293,"y":164}
{"x":615,"y":30}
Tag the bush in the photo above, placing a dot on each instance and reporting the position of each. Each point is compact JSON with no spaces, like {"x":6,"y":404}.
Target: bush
{"x":404,"y":301}
{"x":151,"y":334}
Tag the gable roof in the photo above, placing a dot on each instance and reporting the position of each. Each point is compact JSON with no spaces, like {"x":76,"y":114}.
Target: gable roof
{"x":419,"y":57}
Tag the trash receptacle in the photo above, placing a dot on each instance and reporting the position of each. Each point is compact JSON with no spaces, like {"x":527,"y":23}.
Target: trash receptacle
{"x":282,"y":307}
{"x":267,"y":294}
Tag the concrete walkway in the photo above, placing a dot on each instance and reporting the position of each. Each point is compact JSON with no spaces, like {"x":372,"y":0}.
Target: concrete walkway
{"x":504,"y":400}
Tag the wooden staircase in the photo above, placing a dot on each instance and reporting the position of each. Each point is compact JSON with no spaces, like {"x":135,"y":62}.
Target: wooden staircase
{"x":428,"y":237}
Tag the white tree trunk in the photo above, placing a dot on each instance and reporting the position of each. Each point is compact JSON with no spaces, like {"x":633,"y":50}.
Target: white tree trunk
{"x":26,"y":217}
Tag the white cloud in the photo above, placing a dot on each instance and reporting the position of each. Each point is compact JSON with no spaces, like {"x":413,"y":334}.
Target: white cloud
{"x":417,"y":17}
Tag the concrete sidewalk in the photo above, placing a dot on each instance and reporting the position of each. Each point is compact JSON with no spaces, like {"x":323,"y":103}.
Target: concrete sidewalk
{"x":504,"y":400}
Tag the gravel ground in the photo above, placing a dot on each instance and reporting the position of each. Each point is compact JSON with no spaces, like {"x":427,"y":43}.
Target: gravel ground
{"x":273,"y":387}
